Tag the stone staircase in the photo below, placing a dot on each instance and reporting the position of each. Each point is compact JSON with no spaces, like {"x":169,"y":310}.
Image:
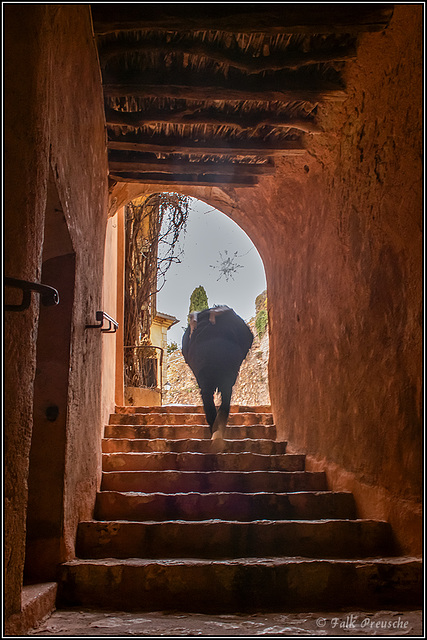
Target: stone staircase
{"x":178,"y":527}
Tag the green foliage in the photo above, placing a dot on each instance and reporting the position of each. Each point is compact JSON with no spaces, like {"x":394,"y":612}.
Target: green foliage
{"x":171,"y":348}
{"x":261,"y":322}
{"x":261,"y":317}
{"x":258,"y":301}
{"x":261,"y":301}
{"x":198,"y":300}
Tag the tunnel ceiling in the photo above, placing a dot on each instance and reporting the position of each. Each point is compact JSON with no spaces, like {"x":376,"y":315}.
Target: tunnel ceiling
{"x":211,"y":94}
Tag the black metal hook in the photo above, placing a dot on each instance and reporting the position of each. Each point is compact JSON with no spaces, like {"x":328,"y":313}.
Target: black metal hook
{"x":48,"y":295}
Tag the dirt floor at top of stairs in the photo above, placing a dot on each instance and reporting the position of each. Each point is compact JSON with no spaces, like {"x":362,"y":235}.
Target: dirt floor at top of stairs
{"x":85,"y":622}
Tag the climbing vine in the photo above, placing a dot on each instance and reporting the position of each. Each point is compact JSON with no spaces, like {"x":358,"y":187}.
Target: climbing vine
{"x":261,"y":318}
{"x":153,"y":227}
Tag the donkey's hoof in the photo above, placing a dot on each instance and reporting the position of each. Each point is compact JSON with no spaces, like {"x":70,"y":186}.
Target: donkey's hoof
{"x":217,"y":442}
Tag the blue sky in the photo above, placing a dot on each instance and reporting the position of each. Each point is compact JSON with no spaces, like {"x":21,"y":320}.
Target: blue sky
{"x":210,"y":234}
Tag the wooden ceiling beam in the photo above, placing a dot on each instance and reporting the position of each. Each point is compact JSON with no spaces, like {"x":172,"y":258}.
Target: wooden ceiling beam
{"x":273,"y":18}
{"x":173,"y":166}
{"x":216,"y":146}
{"x":188,"y":116}
{"x":328,"y":91}
{"x":242,"y":61}
{"x":199,"y":180}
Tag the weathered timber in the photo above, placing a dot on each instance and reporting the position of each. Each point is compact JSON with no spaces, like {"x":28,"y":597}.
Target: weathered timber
{"x":240,"y":18}
{"x":276,"y":61}
{"x":177,"y":166}
{"x":216,"y":146}
{"x":328,"y":91}
{"x":190,"y":116}
{"x":200,"y":180}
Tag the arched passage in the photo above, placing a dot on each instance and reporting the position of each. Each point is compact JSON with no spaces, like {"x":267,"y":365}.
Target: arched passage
{"x":219,"y":256}
{"x":218,"y":234}
{"x":340,"y":236}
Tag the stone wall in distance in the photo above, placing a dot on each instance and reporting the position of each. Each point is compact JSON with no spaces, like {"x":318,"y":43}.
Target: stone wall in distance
{"x":250,"y":389}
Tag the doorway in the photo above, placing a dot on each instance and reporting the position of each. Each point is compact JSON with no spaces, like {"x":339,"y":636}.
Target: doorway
{"x":220,"y":258}
{"x":45,"y":508}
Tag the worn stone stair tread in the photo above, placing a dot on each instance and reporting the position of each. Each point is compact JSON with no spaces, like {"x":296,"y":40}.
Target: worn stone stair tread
{"x":238,"y":584}
{"x":264,"y":521}
{"x":179,"y":431}
{"x":227,"y":538}
{"x":230,"y":474}
{"x":195,"y":445}
{"x":240,"y":441}
{"x":262,"y":561}
{"x":198,"y":455}
{"x":249,"y":494}
{"x":173,"y":428}
{"x":208,"y":481}
{"x":182,"y":408}
{"x":304,"y":505}
{"x":195,"y":461}
{"x":235,"y":419}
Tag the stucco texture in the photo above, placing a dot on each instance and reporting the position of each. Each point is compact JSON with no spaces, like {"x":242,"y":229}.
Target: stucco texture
{"x":344,"y":275}
{"x":55,"y":123}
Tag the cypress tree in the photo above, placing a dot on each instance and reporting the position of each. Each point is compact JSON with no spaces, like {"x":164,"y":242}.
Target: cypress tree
{"x":198,"y":300}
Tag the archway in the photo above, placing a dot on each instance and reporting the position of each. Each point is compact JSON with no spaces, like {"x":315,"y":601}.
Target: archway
{"x":218,"y":255}
{"x":222,"y":206}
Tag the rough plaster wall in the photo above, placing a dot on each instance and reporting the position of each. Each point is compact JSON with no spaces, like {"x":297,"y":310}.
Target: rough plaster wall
{"x":25,"y":172}
{"x":110,"y":307}
{"x":376,"y":194}
{"x":53,"y":111}
{"x":79,"y":159}
{"x":344,"y":275}
{"x":371,"y":314}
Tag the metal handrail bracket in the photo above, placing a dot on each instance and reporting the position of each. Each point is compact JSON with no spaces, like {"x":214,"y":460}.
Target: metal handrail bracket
{"x":48,"y":295}
{"x":101,"y":316}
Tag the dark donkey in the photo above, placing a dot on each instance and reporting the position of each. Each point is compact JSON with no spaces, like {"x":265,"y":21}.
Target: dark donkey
{"x":214,"y":346}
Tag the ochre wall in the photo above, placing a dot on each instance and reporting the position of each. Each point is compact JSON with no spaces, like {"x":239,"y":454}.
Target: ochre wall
{"x":22,"y":260}
{"x":44,"y":536}
{"x":110,"y":306}
{"x":342,"y":250}
{"x":339,"y":232}
{"x":54,"y":117}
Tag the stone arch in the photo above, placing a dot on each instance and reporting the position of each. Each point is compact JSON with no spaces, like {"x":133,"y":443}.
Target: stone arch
{"x":226,"y":202}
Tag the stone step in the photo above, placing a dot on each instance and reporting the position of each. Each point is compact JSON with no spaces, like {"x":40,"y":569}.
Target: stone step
{"x":180,"y":432}
{"x":187,"y":418}
{"x":271,"y":584}
{"x":213,"y":481}
{"x":265,"y":447}
{"x":201,"y":462}
{"x":304,"y":505}
{"x":231,"y":539}
{"x":179,"y":408}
